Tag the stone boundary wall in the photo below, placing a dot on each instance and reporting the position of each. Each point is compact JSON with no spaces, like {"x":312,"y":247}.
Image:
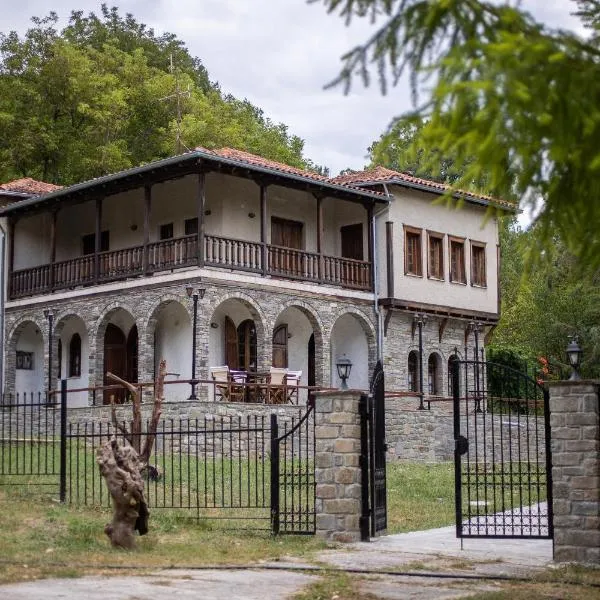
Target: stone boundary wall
{"x":180,"y":417}
{"x":415,"y":435}
{"x":575,"y":426}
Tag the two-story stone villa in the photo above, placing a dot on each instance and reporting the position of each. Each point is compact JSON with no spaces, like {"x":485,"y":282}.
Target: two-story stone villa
{"x":297,"y":270}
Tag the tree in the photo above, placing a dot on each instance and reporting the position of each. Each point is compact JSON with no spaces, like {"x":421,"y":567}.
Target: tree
{"x":99,"y":97}
{"x":512,"y":101}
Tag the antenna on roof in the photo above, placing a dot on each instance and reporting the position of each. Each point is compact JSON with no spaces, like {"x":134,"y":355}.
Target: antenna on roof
{"x":179,"y":145}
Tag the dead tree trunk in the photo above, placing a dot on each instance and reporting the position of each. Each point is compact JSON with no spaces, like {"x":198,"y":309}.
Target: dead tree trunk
{"x":122,"y":461}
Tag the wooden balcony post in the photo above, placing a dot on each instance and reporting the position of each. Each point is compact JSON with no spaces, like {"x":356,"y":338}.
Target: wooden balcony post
{"x":319,"y":198}
{"x":389,"y":246}
{"x":147,"y":209}
{"x":52,"y":248}
{"x":11,"y":253}
{"x":371,"y":251}
{"x":200,"y":202}
{"x":98,"y":235}
{"x":263,"y":227}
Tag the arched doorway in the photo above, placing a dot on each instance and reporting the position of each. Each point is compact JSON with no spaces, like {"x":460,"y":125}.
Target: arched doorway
{"x":120,"y":358}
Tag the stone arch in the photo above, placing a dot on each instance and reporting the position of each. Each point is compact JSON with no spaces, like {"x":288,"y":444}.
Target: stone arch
{"x":28,"y":321}
{"x":209,"y":348}
{"x":69,"y":323}
{"x":174,"y":343}
{"x":316,"y":323}
{"x":96,"y":370}
{"x":349,"y":318}
{"x":435,"y":374}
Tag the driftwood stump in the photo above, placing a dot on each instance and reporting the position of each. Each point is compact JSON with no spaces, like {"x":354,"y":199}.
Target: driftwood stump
{"x":122,"y":461}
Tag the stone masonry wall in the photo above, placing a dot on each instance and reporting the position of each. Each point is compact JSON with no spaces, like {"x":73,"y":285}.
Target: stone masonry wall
{"x":337,"y":469}
{"x":575,"y":427}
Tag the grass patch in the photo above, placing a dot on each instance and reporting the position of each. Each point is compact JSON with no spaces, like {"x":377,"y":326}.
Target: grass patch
{"x":43,"y":539}
{"x":419,"y":496}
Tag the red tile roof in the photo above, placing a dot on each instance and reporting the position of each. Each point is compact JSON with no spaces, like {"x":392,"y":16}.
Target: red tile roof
{"x":381,"y":174}
{"x":29,"y":186}
{"x":259,"y":161}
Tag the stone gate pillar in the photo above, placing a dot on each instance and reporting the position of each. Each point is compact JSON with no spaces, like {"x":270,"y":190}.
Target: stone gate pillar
{"x":575,"y":435}
{"x":337,"y":468}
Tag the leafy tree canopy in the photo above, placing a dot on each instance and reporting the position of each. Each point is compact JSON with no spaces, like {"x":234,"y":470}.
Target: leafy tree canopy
{"x":101,"y":96}
{"x":514,"y":103}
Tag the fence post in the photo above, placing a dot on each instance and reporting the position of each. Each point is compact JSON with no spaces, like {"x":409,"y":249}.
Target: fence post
{"x":63,"y":440}
{"x":274,"y":474}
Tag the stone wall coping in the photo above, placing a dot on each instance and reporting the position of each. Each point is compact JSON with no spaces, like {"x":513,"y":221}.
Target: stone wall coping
{"x":575,"y":383}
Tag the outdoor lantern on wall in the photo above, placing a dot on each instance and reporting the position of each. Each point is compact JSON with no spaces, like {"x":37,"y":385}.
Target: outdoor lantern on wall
{"x":344,"y":366}
{"x":574,"y":353}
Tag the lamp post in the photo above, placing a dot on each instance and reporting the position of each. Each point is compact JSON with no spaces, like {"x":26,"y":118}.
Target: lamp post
{"x":194,"y":295}
{"x":574,"y":353}
{"x":420,"y":320}
{"x":49,"y":315}
{"x":344,"y":366}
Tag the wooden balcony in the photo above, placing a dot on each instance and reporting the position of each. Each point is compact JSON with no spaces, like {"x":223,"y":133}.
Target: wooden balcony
{"x":167,"y":255}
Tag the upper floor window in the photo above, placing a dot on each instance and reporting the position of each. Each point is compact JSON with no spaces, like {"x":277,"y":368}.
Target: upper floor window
{"x":457,"y":260}
{"x":413,"y":262}
{"x":478,"y":275}
{"x":435,"y":263}
{"x":191,"y":226}
{"x":75,"y":356}
{"x":88,"y":242}
{"x":166,"y":231}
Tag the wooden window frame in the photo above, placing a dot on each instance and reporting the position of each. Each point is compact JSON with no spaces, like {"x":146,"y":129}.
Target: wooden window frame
{"x":160,"y":231}
{"x":104,"y":242}
{"x":413,"y":231}
{"x":475,"y":245}
{"x":430,"y":275}
{"x":190,"y":224}
{"x":25,"y":360}
{"x":462,"y":241}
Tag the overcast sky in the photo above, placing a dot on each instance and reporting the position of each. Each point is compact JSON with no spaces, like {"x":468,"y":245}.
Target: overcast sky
{"x":278,"y":54}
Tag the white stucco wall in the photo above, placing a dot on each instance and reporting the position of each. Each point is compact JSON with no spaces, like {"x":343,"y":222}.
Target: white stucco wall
{"x":229,"y":200}
{"x":416,"y":209}
{"x":348,"y":340}
{"x":173,"y":342}
{"x":31,"y":380}
{"x":72,"y":326}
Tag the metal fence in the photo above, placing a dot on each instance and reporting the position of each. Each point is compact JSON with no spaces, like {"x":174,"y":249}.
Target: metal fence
{"x":223,"y":468}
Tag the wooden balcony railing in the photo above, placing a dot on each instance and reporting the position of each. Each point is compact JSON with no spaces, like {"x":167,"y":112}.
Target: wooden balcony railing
{"x":239,"y":255}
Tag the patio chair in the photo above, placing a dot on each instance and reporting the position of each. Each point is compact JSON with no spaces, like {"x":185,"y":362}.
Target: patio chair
{"x":277,"y":386}
{"x":239,"y":379}
{"x":225,"y":390}
{"x":292,"y":380}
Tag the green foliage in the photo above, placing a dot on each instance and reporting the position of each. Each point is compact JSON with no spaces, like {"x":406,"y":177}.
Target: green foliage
{"x":512,"y":102}
{"x":542,"y":307}
{"x":101,"y":96}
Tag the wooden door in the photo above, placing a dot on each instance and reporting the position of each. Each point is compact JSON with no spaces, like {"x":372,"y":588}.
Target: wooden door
{"x":352,"y":241}
{"x":280,"y":347}
{"x":311,"y":361}
{"x":231,"y":344}
{"x":246,"y":335}
{"x":115,"y":360}
{"x":286,"y":234}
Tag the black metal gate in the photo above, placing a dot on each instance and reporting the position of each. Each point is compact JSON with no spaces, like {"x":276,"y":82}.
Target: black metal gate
{"x":373,"y":449}
{"x":502,"y":461}
{"x":293,"y":485}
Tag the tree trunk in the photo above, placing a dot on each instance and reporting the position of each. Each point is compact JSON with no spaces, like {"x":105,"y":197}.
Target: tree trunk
{"x":122,"y":462}
{"x":120,"y":466}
